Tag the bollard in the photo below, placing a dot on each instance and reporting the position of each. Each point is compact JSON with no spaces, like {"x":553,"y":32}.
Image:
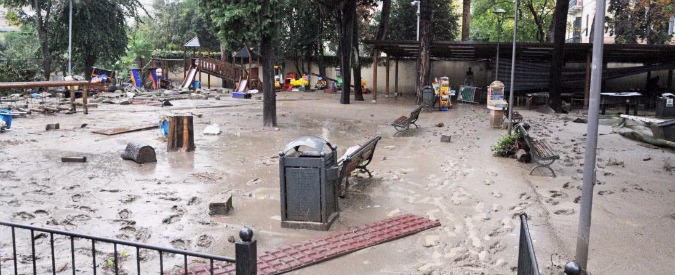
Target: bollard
{"x":246,"y":253}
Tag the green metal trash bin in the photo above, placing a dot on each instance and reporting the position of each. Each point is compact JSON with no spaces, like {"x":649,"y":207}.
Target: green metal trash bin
{"x":308,"y":176}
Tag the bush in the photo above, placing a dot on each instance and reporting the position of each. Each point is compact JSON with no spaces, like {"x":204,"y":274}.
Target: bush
{"x":505,"y":146}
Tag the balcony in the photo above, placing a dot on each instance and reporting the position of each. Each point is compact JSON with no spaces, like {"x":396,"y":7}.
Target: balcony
{"x":575,"y":6}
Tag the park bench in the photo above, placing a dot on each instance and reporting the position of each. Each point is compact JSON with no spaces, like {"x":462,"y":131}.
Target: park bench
{"x":540,"y":151}
{"x":403,"y":123}
{"x":356,"y":159}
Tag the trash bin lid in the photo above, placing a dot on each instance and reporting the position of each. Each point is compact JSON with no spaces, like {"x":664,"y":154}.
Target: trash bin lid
{"x":315,"y":145}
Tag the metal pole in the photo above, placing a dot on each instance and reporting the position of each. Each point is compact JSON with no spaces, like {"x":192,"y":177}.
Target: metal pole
{"x":418,"y":18}
{"x":70,"y":38}
{"x":499,"y":32}
{"x":513,"y":65}
{"x":583,"y":235}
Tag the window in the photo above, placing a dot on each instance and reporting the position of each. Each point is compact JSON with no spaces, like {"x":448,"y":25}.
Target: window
{"x":671,"y":26}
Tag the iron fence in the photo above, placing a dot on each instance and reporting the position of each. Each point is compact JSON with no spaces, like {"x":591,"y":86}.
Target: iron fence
{"x":527,"y":260}
{"x":245,"y":259}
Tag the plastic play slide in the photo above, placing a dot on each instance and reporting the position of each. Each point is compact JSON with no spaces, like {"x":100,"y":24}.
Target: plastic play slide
{"x":190,"y":77}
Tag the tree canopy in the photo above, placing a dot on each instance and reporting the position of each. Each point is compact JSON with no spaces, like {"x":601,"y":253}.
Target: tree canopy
{"x":644,"y":20}
{"x":533,"y":23}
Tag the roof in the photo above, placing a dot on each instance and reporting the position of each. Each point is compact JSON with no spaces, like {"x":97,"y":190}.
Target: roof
{"x":245,"y":53}
{"x":193,"y":43}
{"x":573,"y":52}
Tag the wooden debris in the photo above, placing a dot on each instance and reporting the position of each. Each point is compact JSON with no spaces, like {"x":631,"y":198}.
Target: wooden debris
{"x":122,"y":130}
{"x":74,"y":159}
{"x":181,"y":134}
{"x":52,"y":127}
{"x":139,"y":152}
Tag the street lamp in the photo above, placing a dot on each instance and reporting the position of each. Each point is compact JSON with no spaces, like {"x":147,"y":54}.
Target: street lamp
{"x":413,"y":3}
{"x":500,"y":19}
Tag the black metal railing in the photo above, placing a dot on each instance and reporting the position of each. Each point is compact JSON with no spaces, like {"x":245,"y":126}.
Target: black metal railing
{"x":527,"y":260}
{"x":245,"y":259}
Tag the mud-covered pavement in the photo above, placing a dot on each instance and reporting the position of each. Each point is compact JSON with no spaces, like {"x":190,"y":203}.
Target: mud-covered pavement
{"x":475,"y":196}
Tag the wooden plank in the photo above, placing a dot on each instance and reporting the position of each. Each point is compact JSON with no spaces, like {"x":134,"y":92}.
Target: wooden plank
{"x":122,"y":130}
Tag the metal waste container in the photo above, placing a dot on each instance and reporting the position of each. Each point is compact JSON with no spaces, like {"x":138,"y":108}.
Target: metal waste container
{"x":428,"y":97}
{"x":665,"y":106}
{"x":308,"y":176}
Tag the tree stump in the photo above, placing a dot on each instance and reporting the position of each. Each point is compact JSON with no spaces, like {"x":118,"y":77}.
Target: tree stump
{"x":139,"y":152}
{"x":523,"y":156}
{"x":181,"y":134}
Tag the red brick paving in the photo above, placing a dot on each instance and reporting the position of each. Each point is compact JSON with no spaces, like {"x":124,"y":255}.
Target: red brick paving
{"x":333,"y":245}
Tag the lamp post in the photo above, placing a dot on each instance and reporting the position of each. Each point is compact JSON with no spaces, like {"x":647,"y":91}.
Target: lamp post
{"x":513,"y":63}
{"x":413,"y":3}
{"x":500,"y":19}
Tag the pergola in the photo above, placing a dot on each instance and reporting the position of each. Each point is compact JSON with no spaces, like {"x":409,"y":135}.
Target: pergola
{"x":654,"y":57}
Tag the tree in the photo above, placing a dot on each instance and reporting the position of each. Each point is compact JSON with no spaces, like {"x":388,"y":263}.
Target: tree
{"x":533,"y":23}
{"x":94,"y":43}
{"x":424,"y":58}
{"x":176,"y":22}
{"x":646,"y":20}
{"x":344,"y":12}
{"x":240,"y":22}
{"x":42,"y":20}
{"x":555,"y":76}
{"x":91,"y":40}
{"x":403,"y":21}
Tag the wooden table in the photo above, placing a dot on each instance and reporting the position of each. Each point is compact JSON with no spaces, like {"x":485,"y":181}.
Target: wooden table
{"x":39,"y":84}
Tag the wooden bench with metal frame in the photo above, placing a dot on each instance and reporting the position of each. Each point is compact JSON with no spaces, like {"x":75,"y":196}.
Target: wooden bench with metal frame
{"x":539,"y":149}
{"x":358,"y":159}
{"x":403,"y":123}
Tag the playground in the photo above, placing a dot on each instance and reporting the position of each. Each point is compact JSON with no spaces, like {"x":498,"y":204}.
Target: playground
{"x":475,"y":196}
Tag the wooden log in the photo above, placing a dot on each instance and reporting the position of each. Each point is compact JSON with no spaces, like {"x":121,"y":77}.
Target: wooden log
{"x":523,"y":156}
{"x":181,"y":134}
{"x":139,"y":152}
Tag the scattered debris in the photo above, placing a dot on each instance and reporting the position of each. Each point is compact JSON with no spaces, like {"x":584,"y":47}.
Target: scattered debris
{"x":580,"y":120}
{"x":221,"y":204}
{"x":440,"y":124}
{"x":139,"y":152}
{"x":445,"y":138}
{"x":52,"y":127}
{"x":122,"y":130}
{"x":74,"y":159}
{"x":212,"y":129}
{"x":523,"y":156}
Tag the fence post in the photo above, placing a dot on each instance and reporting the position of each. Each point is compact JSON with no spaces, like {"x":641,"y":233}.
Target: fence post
{"x":572,"y":268}
{"x":246,"y":253}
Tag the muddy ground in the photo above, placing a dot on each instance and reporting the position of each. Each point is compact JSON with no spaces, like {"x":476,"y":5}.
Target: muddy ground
{"x":476,"y":197}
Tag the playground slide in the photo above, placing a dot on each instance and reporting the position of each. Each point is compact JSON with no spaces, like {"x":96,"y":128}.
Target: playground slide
{"x":242,"y":86}
{"x":190,"y":77}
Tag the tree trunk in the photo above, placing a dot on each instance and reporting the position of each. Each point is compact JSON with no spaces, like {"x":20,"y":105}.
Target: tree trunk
{"x":555,"y":79}
{"x":541,"y":34}
{"x":43,"y":28}
{"x":346,"y":24}
{"x":319,"y":42}
{"x":423,"y":61}
{"x":181,"y":134}
{"x":466,"y":19}
{"x":267,"y":56}
{"x":139,"y":152}
{"x":356,"y":66}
